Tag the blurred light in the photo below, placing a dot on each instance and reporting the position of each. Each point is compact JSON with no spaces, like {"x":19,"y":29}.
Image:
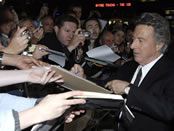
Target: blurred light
{"x":102,"y":5}
{"x":169,"y":17}
{"x":126,"y":22}
{"x":128,"y":4}
{"x":167,"y":12}
{"x":122,"y":4}
{"x":110,"y":5}
{"x":99,"y":5}
{"x":148,"y":0}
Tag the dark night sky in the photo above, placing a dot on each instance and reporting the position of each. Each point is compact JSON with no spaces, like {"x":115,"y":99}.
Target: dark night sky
{"x":33,"y":6}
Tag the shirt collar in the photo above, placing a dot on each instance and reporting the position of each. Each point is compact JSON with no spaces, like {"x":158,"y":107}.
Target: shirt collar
{"x":145,"y":69}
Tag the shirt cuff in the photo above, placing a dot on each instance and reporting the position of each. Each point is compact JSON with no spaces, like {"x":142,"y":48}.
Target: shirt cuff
{"x":127,"y":89}
{"x":16,"y":119}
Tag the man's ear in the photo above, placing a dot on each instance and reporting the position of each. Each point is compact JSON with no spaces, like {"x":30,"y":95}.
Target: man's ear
{"x":159,"y":46}
{"x":56,"y":29}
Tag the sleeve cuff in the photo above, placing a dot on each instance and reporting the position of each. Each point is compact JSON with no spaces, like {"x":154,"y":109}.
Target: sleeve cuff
{"x":16,"y":119}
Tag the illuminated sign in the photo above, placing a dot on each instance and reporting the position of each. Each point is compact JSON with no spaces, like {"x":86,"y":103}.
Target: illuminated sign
{"x":110,"y":5}
{"x":101,"y":5}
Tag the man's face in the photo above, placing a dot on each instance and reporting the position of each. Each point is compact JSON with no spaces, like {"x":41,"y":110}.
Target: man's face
{"x":108,"y":39}
{"x":66,"y":32}
{"x":48,"y":25}
{"x":29,"y":24}
{"x":119,"y":37}
{"x":78,"y":12}
{"x":144,"y":45}
{"x":93,"y":27}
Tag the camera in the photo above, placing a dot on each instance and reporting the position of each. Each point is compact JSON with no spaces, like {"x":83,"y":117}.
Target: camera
{"x":27,"y":33}
{"x":85,"y":33}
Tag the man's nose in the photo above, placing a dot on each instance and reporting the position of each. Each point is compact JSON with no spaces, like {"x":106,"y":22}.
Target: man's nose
{"x":71,"y":35}
{"x":133,"y":44}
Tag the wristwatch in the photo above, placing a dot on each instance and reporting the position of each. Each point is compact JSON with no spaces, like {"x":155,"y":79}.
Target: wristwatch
{"x":1,"y":57}
{"x":127,"y":88}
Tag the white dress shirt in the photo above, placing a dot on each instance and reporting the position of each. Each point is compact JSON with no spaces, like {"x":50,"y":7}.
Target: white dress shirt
{"x":145,"y":69}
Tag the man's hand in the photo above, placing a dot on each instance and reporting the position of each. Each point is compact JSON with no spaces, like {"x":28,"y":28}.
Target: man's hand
{"x":117,"y":86}
{"x":43,"y":75}
{"x":76,"y":40}
{"x":27,"y":62}
{"x":72,"y":115}
{"x":21,"y":62}
{"x":37,"y":35}
{"x":18,"y":42}
{"x":53,"y":106}
{"x":78,"y":70}
{"x":38,"y":53}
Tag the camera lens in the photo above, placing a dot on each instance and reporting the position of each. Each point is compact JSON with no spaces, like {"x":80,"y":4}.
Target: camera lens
{"x":87,"y":34}
{"x":27,"y":33}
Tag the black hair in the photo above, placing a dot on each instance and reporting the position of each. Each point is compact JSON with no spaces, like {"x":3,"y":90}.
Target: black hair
{"x":65,"y":18}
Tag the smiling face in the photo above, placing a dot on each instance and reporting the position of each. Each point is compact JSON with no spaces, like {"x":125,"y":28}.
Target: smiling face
{"x":145,"y":46}
{"x":66,"y":32}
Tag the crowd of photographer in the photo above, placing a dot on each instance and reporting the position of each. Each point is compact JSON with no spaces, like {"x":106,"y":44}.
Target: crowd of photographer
{"x":23,"y":43}
{"x":29,"y":46}
{"x":21,"y":35}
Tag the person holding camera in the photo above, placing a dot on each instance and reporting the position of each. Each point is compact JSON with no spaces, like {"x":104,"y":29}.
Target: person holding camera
{"x":93,"y":26}
{"x":34,"y":35}
{"x":17,"y":43}
{"x":65,"y":38}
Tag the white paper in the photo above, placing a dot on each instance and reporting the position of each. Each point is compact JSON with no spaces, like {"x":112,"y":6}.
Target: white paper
{"x":103,"y":23}
{"x":103,"y":53}
{"x":58,"y":59}
{"x":87,"y":94}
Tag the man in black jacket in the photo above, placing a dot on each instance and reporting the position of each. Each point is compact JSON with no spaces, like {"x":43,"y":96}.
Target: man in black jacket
{"x":151,"y":99}
{"x":65,"y":38}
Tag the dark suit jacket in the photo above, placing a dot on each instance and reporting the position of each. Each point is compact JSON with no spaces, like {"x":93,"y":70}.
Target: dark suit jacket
{"x":152,"y":102}
{"x":50,"y":40}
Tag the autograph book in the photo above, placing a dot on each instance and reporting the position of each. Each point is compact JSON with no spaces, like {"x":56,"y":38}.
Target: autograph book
{"x":74,"y":82}
{"x":96,"y":96}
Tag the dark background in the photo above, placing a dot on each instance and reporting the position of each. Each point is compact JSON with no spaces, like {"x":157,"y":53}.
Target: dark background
{"x":137,"y":7}
{"x":32,"y":7}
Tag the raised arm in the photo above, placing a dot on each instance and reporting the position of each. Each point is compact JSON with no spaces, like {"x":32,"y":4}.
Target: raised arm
{"x":51,"y":107}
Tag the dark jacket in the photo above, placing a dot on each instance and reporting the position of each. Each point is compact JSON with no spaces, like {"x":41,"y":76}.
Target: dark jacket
{"x":50,"y":40}
{"x":152,"y":102}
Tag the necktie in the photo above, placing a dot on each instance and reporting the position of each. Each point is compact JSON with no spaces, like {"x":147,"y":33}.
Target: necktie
{"x":138,"y":78}
{"x":125,"y":116}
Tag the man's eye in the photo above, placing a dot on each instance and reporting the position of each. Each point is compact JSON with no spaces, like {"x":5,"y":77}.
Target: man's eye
{"x":140,"y":40}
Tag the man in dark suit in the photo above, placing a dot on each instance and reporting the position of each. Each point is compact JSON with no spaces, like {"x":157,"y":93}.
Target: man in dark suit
{"x":65,"y":39}
{"x":151,"y":98}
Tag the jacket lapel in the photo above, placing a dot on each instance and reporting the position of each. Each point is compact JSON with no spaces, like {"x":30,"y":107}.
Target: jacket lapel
{"x":154,"y":73}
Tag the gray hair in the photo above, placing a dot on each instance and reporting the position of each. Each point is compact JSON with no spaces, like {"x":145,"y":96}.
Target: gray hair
{"x":160,"y":25}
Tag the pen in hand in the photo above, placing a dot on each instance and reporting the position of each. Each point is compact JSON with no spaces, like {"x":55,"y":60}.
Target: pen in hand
{"x":52,"y":52}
